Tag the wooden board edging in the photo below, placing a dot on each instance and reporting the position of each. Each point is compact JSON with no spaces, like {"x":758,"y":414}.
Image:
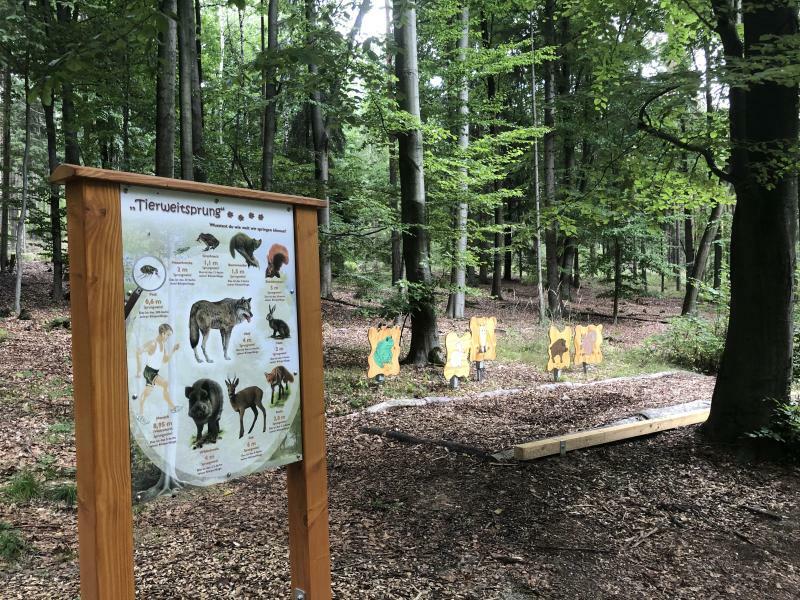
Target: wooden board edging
{"x":64,"y":173}
{"x":604,"y":435}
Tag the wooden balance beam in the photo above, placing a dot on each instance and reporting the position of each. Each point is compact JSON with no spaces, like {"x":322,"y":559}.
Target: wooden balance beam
{"x":595,"y":437}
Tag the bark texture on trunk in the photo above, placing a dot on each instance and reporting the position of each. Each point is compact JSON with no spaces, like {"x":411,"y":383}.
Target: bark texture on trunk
{"x":694,"y":278}
{"x":424,"y":346}
{"x":165,"y":91}
{"x":757,"y":361}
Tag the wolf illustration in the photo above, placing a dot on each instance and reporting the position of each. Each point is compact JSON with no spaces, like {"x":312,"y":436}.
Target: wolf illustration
{"x":209,"y":240}
{"x":205,"y":408}
{"x":277,"y":256}
{"x":280,"y":378}
{"x":223,"y":315}
{"x":245,"y":245}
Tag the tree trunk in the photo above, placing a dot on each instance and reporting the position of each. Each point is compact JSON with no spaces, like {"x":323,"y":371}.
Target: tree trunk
{"x":756,"y":364}
{"x":319,"y":136}
{"x":700,"y":261}
{"x":197,"y":97}
{"x":6,"y":183}
{"x":20,"y":229}
{"x":456,"y":301}
{"x":187,"y":62}
{"x":397,"y":241}
{"x":536,"y":187}
{"x":55,"y":204}
{"x":688,"y":241}
{"x":617,"y":276}
{"x":676,"y":254}
{"x":551,"y":233}
{"x":165,"y":92}
{"x":424,"y":330}
{"x":718,"y":258}
{"x":270,"y":106}
{"x":508,"y":254}
{"x":497,"y":256}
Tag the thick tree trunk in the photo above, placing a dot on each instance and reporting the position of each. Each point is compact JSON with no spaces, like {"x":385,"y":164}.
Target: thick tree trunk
{"x":165,"y":91}
{"x":424,"y":331}
{"x":756,"y":364}
{"x":456,"y":301}
{"x":55,"y":204}
{"x":6,"y":182}
{"x":688,"y":241}
{"x":270,"y":106}
{"x":187,"y":62}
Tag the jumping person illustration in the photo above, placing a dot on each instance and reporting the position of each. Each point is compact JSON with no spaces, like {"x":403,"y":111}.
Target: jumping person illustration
{"x":157,"y":356}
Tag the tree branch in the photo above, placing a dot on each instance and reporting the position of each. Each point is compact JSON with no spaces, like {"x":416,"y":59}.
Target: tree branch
{"x":646,"y":125}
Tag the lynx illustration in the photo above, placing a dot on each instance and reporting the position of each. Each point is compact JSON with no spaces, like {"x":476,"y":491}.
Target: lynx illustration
{"x":245,"y":246}
{"x":223,"y":315}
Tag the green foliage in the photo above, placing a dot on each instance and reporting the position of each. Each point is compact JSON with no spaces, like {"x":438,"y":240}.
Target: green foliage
{"x":691,"y":342}
{"x":23,"y":487}
{"x":784,"y":426}
{"x":12,"y":544}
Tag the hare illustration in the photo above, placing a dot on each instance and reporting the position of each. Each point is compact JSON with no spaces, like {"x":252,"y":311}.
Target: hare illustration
{"x":280,"y":330}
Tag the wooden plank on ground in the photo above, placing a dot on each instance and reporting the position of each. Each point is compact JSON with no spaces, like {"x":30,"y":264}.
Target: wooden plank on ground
{"x":605,"y":435}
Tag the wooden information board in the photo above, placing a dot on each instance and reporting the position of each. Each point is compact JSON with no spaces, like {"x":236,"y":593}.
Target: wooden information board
{"x":197,"y":330}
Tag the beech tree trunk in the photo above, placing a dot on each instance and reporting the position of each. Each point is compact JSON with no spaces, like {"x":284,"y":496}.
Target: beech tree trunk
{"x":319,"y":136}
{"x":186,"y":64}
{"x":6,"y":182}
{"x":756,"y":364}
{"x":165,"y":91}
{"x":551,"y":233}
{"x":424,"y":346}
{"x":701,"y":260}
{"x":55,"y":205}
{"x":536,"y":187}
{"x":397,"y":241}
{"x":456,"y":300}
{"x":270,"y":106}
{"x":20,"y":229}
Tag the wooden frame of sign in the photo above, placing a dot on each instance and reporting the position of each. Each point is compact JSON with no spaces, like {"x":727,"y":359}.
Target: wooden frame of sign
{"x":105,"y":522}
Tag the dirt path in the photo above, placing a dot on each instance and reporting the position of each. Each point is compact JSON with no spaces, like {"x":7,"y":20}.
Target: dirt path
{"x":660,"y":517}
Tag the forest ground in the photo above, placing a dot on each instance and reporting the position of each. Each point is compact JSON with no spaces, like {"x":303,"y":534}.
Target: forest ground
{"x":665,"y":516}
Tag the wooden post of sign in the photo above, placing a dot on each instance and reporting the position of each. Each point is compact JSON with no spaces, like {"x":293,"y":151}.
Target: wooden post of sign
{"x":105,"y":521}
{"x":309,"y":550}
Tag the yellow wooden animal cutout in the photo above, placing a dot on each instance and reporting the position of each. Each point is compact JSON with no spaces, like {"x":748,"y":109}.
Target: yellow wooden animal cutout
{"x":587,"y":344}
{"x":384,"y":353}
{"x":458,"y":347}
{"x":484,"y":344}
{"x":559,"y":348}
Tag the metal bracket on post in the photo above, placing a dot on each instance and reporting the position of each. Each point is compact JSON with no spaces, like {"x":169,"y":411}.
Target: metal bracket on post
{"x":556,"y":374}
{"x":298,"y":594}
{"x":562,"y":448}
{"x":454,"y":383}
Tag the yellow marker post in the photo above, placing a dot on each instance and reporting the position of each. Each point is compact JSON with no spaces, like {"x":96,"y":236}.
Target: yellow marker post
{"x":588,"y":341}
{"x":384,"y":353}
{"x":457,"y":365}
{"x":484,"y":343}
{"x":558,"y":351}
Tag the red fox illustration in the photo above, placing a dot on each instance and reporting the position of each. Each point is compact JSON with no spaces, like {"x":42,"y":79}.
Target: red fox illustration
{"x":280,"y":378}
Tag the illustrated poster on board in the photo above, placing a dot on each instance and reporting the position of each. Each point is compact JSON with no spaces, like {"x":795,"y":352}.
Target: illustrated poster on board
{"x":211,"y":333}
